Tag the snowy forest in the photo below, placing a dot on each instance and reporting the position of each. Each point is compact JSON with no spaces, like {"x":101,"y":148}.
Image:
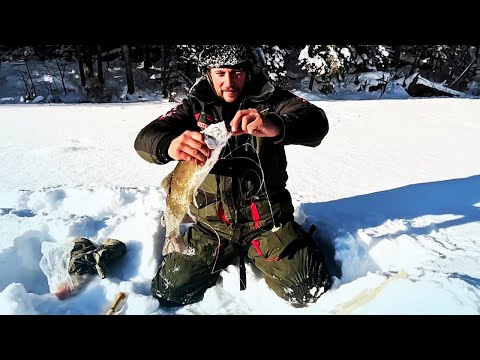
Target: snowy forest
{"x":100,"y":73}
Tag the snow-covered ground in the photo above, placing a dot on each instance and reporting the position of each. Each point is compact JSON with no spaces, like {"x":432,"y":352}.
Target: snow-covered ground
{"x":393,"y":189}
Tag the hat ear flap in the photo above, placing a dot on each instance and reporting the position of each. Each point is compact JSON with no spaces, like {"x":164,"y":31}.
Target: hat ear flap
{"x":209,"y":78}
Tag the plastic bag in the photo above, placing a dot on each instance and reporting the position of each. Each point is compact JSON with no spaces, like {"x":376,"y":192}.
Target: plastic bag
{"x":70,"y":265}
{"x":55,"y":265}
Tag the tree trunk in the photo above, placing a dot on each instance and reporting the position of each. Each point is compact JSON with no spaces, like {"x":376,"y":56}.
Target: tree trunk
{"x":80,"y":65}
{"x":397,"y":51}
{"x":101,"y":79}
{"x":147,"y":60}
{"x":88,"y":61}
{"x":128,"y":69}
{"x":163,"y":61}
{"x":312,"y":79}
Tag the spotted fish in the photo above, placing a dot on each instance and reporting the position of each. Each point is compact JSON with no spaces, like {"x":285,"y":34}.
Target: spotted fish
{"x":182,"y":183}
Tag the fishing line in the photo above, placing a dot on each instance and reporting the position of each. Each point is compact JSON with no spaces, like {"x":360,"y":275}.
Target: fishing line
{"x":217,"y":250}
{"x":261,"y":178}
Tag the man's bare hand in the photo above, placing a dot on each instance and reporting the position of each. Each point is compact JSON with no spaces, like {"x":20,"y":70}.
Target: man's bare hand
{"x":250,"y":121}
{"x":190,"y":146}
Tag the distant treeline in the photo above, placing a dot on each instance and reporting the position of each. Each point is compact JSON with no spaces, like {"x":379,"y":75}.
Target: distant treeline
{"x":325,"y":66}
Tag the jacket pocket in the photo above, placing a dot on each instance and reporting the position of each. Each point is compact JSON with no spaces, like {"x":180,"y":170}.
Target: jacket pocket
{"x":272,"y":246}
{"x":267,"y":246}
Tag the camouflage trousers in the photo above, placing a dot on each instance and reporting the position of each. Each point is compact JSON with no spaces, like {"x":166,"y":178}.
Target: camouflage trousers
{"x":88,"y":258}
{"x":293,"y":266}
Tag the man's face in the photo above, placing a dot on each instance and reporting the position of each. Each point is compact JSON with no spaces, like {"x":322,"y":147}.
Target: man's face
{"x":228,"y":83}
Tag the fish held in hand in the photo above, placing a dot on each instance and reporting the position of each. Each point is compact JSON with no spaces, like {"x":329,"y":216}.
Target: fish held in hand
{"x":181,"y":187}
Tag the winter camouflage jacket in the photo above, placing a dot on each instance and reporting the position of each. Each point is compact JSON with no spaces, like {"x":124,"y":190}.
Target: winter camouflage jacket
{"x":235,"y":191}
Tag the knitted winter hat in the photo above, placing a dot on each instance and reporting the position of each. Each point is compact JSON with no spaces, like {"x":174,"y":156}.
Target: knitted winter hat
{"x":233,"y":56}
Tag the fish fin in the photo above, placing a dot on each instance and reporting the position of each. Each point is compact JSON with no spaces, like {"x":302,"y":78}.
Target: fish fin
{"x":166,"y":182}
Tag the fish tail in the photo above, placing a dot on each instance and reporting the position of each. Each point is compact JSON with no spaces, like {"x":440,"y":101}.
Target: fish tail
{"x":174,"y":243}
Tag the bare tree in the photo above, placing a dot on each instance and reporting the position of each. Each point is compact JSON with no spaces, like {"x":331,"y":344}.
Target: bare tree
{"x":473,"y":53}
{"x":58,"y":74}
{"x":30,"y":93}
